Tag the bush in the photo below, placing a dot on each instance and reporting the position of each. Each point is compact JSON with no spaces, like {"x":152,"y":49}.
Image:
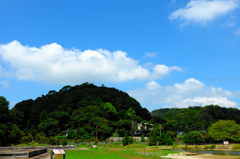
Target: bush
{"x":194,"y":137}
{"x":213,"y":146}
{"x":125,"y":140}
{"x":153,"y":139}
{"x":237,"y":146}
{"x":77,"y":141}
{"x":142,"y":138}
{"x":64,"y":142}
{"x":71,"y":134}
{"x":53,"y":141}
{"x":131,"y":140}
{"x":165,"y":139}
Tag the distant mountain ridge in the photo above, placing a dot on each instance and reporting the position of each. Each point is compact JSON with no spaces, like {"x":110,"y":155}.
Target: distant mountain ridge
{"x":195,"y":118}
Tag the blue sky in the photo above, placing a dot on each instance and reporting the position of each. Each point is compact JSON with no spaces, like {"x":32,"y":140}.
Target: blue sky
{"x":163,"y":53}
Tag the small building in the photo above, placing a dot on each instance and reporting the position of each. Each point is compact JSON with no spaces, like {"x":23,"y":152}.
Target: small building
{"x":146,"y":126}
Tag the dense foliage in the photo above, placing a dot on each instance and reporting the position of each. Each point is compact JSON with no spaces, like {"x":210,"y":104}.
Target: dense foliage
{"x":225,"y":130}
{"x":81,"y":107}
{"x":9,"y":132}
{"x":194,"y":137}
{"x":194,"y":118}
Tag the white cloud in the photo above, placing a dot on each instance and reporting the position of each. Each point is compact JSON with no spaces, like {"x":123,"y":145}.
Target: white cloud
{"x":150,"y":54}
{"x":4,"y":83}
{"x":203,"y":11}
{"x":163,"y":70}
{"x":51,"y":63}
{"x":189,"y":93}
{"x":222,"y":101}
{"x":237,"y":32}
{"x":152,"y":85}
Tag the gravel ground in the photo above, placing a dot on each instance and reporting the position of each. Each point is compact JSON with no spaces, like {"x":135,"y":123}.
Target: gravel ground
{"x":184,"y":155}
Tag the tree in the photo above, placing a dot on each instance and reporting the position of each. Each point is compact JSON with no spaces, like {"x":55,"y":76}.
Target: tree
{"x":194,"y":137}
{"x":104,"y":131}
{"x":71,"y":134}
{"x":142,"y":138}
{"x":131,"y":115}
{"x":123,"y":126}
{"x":153,"y":139}
{"x":49,"y":127}
{"x":9,"y":132}
{"x":4,"y":115}
{"x":125,"y":140}
{"x":224,"y":130}
{"x":166,"y":139}
{"x":80,"y":133}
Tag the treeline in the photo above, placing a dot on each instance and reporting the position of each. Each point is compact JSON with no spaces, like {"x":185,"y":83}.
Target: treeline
{"x":83,"y":107}
{"x":80,"y":107}
{"x":194,"y":118}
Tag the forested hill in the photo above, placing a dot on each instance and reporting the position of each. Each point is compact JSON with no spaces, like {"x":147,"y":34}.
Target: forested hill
{"x":83,"y":106}
{"x":195,"y":118}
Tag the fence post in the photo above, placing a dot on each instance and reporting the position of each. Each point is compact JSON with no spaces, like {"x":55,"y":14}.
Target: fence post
{"x":52,"y":154}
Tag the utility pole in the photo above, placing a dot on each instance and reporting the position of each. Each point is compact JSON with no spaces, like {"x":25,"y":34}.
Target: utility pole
{"x":96,"y":132}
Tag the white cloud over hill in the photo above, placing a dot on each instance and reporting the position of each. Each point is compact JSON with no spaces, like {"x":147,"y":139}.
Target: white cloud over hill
{"x":53,"y":64}
{"x":189,"y":93}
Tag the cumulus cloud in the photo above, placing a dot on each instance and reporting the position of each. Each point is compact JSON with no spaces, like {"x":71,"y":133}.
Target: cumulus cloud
{"x":54,"y":64}
{"x":222,"y":101}
{"x":152,"y":85}
{"x":203,"y":11}
{"x":163,"y":70}
{"x":191,"y":92}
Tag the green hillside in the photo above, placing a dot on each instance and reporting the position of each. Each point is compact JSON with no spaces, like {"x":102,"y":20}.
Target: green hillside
{"x":195,"y":118}
{"x":82,"y":106}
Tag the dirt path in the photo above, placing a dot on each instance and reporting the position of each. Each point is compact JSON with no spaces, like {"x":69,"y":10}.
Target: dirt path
{"x":185,"y":155}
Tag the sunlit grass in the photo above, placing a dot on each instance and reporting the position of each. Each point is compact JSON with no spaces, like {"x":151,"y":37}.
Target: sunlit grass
{"x":117,"y":153}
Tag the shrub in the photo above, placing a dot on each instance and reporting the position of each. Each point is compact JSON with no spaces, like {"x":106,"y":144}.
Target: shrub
{"x":77,"y":141}
{"x":131,"y":140}
{"x":165,"y":139}
{"x":213,"y":146}
{"x":125,"y":140}
{"x":153,"y":139}
{"x":237,"y":146}
{"x":194,"y":137}
{"x":64,"y":142}
{"x":142,"y":138}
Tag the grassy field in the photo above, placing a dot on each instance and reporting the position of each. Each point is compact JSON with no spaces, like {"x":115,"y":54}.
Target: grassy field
{"x":116,"y":153}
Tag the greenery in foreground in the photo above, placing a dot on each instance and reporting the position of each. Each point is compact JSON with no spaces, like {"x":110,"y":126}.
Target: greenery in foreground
{"x":116,"y":153}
